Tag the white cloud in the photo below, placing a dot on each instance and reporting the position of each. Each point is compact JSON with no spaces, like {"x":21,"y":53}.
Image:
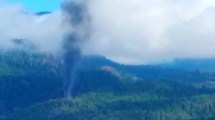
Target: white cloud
{"x":143,"y":31}
{"x":45,"y":32}
{"x":127,"y":31}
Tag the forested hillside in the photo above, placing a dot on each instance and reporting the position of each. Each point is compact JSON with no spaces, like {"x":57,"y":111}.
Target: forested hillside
{"x":31,"y":89}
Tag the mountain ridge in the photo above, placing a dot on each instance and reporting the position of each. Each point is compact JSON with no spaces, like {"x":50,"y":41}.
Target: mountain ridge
{"x":104,"y":90}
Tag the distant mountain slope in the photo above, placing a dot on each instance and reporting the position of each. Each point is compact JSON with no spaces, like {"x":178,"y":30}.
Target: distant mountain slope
{"x":43,"y":13}
{"x":192,"y":64}
{"x":21,"y":62}
{"x":151,"y":72}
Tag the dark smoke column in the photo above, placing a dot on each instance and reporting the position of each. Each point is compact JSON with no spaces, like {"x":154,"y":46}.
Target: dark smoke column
{"x":76,"y":18}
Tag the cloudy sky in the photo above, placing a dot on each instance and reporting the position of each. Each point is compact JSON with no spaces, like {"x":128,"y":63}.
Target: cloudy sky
{"x":127,"y":31}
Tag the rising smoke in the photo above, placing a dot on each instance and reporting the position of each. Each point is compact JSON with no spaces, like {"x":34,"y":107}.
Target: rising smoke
{"x":78,"y":22}
{"x":126,"y":31}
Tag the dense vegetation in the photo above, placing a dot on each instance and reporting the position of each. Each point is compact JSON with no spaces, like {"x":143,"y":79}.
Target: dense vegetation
{"x":31,"y":89}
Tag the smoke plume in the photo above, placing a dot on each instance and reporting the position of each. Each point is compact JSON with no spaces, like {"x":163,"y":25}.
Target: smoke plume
{"x":77,"y":20}
{"x":126,"y":31}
